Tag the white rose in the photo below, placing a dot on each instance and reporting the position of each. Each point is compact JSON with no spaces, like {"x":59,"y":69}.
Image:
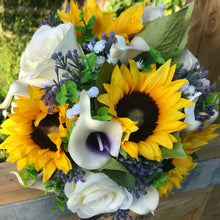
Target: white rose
{"x":98,"y":194}
{"x":37,"y":66}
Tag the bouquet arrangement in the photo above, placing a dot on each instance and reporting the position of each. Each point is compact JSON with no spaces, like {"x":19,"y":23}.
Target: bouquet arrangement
{"x":106,"y":111}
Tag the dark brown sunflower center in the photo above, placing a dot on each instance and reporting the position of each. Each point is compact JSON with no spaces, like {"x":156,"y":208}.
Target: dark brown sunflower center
{"x":139,"y":107}
{"x":49,"y":124}
{"x":167,"y":165}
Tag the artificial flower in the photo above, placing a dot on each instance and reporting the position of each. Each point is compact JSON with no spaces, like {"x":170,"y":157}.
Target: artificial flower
{"x":194,"y":140}
{"x":127,"y":24}
{"x":98,"y":194}
{"x":146,"y":203}
{"x":92,"y":142}
{"x":178,"y":168}
{"x":190,"y":112}
{"x":152,"y":12}
{"x":153,"y":101}
{"x":37,"y":65}
{"x":124,"y":52}
{"x":30,"y":128}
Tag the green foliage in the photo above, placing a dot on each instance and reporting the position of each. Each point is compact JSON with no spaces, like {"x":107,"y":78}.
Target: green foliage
{"x":85,"y":29}
{"x":67,"y":93}
{"x":3,"y":156}
{"x":168,"y":32}
{"x":176,"y":152}
{"x":154,"y":56}
{"x":212,"y":99}
{"x":87,"y":73}
{"x":160,"y":181}
{"x":118,"y":6}
{"x":172,"y":6}
{"x":103,"y":114}
{"x":29,"y":173}
{"x":66,"y":139}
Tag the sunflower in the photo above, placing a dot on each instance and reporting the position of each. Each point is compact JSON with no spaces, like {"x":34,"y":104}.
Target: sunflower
{"x":127,"y":24}
{"x":35,"y":135}
{"x":178,"y":168}
{"x":149,"y":99}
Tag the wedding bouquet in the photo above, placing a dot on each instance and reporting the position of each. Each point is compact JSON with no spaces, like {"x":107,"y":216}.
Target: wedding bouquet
{"x":108,"y":111}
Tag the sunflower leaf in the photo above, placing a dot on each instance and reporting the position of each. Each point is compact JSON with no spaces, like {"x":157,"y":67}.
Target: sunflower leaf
{"x":158,"y":183}
{"x":176,"y":152}
{"x":113,"y":164}
{"x":168,"y":32}
{"x":104,"y":76}
{"x":124,"y":179}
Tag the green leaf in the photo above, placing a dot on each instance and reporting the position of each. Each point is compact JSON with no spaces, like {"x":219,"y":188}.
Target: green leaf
{"x":60,"y":98}
{"x":90,"y":62}
{"x":176,"y":152}
{"x":124,"y":179}
{"x":61,"y":199}
{"x":91,"y":22}
{"x":81,"y":15}
{"x":147,"y":67}
{"x":53,"y":209}
{"x":80,"y":28}
{"x":24,"y":175}
{"x":103,"y":111}
{"x":123,"y":153}
{"x":102,"y":117}
{"x":168,"y":32}
{"x":113,"y":164}
{"x":210,"y":99}
{"x":104,"y":76}
{"x":61,"y":207}
{"x":86,"y":77}
{"x":83,"y":57}
{"x":158,"y":183}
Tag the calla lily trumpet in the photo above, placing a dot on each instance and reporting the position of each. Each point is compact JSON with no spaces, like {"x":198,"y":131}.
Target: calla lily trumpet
{"x":190,"y":112}
{"x":93,"y":142}
{"x":124,"y":52}
{"x":146,"y":203}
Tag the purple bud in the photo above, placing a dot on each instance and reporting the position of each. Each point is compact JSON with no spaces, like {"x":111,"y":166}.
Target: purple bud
{"x":54,"y":56}
{"x":104,"y":37}
{"x":93,"y":42}
{"x":112,"y":34}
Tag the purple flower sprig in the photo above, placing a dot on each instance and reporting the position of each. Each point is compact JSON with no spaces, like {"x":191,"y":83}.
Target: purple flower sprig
{"x":206,"y":105}
{"x":144,"y":171}
{"x":194,"y":75}
{"x":53,"y":20}
{"x":121,"y":214}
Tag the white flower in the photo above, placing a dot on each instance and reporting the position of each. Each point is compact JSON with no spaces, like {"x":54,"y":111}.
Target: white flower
{"x":72,"y":112}
{"x":37,"y":66}
{"x":146,"y":203}
{"x":187,"y":59}
{"x":98,"y":194}
{"x":91,"y":141}
{"x":188,"y":89}
{"x":190,"y":112}
{"x":151,"y":13}
{"x":93,"y":92}
{"x":124,"y":52}
{"x":99,"y":46}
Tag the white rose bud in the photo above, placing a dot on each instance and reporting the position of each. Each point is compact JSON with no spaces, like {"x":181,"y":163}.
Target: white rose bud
{"x":98,"y":194}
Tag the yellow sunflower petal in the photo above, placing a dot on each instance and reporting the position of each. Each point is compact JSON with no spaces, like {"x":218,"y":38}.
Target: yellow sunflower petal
{"x":131,"y":148}
{"x":49,"y":169}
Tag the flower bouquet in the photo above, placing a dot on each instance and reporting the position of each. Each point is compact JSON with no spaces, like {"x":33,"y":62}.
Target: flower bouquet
{"x":107,"y":112}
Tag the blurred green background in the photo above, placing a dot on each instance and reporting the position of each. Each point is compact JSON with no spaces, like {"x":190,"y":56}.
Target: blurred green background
{"x":19,"y":19}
